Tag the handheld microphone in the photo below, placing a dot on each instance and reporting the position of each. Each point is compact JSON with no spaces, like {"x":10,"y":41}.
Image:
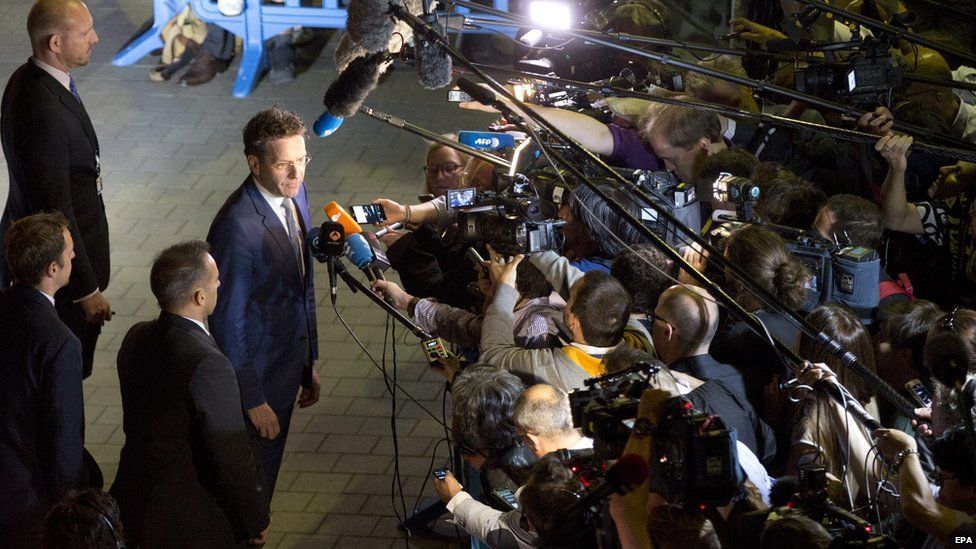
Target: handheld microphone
{"x":392,"y":227}
{"x":479,"y":94}
{"x":629,"y":472}
{"x":327,"y":245}
{"x":361,"y":255}
{"x":337,"y":213}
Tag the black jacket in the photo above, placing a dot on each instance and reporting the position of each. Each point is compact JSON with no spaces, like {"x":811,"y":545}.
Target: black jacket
{"x":42,"y":415}
{"x":51,"y":149}
{"x":187,"y":475}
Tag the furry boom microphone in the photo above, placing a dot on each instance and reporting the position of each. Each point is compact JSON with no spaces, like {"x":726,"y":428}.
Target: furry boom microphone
{"x":363,"y":55}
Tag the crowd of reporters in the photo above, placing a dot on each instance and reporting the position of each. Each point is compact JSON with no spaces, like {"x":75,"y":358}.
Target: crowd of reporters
{"x":537,"y":332}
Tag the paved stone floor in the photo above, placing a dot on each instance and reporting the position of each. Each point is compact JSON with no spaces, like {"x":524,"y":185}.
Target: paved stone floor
{"x":170,"y":157}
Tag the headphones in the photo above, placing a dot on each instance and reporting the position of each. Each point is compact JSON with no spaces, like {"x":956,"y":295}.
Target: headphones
{"x":119,"y":544}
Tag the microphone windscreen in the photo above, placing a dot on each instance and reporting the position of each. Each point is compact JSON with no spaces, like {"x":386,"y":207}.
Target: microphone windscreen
{"x":433,"y":64}
{"x":369,"y":24}
{"x":337,"y":213}
{"x":360,"y":252}
{"x":327,"y":124}
{"x":629,"y":472}
{"x":348,"y":91}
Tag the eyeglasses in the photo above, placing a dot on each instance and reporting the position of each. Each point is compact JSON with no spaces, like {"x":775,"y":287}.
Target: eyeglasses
{"x":301,"y":163}
{"x":447,"y":169}
{"x":654,"y":316}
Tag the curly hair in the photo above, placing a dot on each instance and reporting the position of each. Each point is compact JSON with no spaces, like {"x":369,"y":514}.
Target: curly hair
{"x":483,"y":401}
{"x":762,"y":254}
{"x":550,"y":491}
{"x":270,"y":125}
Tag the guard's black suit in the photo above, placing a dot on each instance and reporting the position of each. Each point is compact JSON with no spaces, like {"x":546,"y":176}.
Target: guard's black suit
{"x":51,"y":151}
{"x":42,"y":413}
{"x":187,"y":476}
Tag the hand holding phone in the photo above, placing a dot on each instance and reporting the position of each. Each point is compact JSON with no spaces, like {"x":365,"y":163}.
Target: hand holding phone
{"x":368,"y":213}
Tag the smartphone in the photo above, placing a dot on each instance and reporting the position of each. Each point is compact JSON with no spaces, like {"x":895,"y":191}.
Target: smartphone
{"x":442,"y":472}
{"x":505,"y":498}
{"x":921,"y":394}
{"x":474,"y":257}
{"x":368,"y":213}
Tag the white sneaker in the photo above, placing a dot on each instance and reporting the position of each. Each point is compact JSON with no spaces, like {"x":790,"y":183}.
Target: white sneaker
{"x":230,"y":8}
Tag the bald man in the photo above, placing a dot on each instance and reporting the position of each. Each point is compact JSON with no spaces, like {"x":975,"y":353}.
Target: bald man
{"x":920,"y":102}
{"x":685,"y":321}
{"x":53,"y":160}
{"x":543,"y":416}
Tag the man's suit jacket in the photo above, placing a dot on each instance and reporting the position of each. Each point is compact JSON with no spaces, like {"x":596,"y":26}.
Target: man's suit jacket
{"x":265,"y":316}
{"x":706,"y":368}
{"x":187,"y":475}
{"x":50,"y":147}
{"x":42,"y":415}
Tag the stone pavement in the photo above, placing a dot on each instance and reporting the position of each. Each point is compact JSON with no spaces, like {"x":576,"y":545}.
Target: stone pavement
{"x":170,"y":157}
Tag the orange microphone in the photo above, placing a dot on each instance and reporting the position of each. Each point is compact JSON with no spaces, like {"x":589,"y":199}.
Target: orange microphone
{"x":337,"y":213}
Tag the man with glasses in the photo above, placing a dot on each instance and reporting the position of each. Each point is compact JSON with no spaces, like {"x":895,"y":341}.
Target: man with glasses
{"x":53,"y":160}
{"x":265,"y":319}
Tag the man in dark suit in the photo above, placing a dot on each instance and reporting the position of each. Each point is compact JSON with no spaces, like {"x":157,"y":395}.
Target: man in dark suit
{"x":52,"y":159}
{"x":42,"y":418}
{"x":685,"y":322}
{"x":187,"y":476}
{"x":265,"y":320}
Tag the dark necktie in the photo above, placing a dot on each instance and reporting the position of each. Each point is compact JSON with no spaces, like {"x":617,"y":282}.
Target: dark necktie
{"x":73,"y":88}
{"x":294,"y":233}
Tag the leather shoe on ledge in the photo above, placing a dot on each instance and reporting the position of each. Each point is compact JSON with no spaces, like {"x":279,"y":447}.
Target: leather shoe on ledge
{"x":202,"y":69}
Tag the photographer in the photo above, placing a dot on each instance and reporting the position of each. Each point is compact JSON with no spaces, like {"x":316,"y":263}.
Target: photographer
{"x":543,"y":416}
{"x":955,"y":506}
{"x":482,"y":399}
{"x":947,"y":222}
{"x":596,"y":314}
{"x":535,"y":319}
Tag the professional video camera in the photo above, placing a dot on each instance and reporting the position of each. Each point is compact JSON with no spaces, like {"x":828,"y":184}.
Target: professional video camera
{"x":740,"y":191}
{"x":843,"y":274}
{"x":512,"y":222}
{"x":865,"y":79}
{"x":811,"y":500}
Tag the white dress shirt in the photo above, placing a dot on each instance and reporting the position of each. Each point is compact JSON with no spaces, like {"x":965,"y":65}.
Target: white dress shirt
{"x":276,"y":203}
{"x":58,"y":74}
{"x":198,"y":323}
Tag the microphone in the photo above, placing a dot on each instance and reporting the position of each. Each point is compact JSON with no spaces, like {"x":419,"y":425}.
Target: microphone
{"x":370,"y":26}
{"x":348,"y":91}
{"x":337,"y":213}
{"x":948,"y":358}
{"x":629,"y":472}
{"x":433,"y":63}
{"x":479,"y":94}
{"x":327,"y":245}
{"x":392,"y":227}
{"x":362,"y":256}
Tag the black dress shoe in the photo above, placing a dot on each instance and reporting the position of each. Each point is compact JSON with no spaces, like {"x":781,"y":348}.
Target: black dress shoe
{"x":202,"y":69}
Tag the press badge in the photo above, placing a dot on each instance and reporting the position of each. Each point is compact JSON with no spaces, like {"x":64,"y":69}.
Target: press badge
{"x":98,"y":171}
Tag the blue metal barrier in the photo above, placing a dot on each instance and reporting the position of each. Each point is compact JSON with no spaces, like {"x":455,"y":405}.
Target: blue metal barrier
{"x":257,"y":23}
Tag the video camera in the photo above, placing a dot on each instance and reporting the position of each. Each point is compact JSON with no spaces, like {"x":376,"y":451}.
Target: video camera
{"x":740,"y":191}
{"x":869,"y":75}
{"x":842,"y":274}
{"x":512,"y":222}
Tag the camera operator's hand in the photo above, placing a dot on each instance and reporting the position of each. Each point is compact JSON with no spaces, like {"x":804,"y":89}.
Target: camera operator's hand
{"x":697,"y":258}
{"x":895,"y":148}
{"x":503,"y":269}
{"x":447,"y":488}
{"x":879,"y":122}
{"x":395,"y":212}
{"x":754,"y":32}
{"x":892,"y":441}
{"x":385,"y":288}
{"x":651,"y":403}
{"x":953,"y":180}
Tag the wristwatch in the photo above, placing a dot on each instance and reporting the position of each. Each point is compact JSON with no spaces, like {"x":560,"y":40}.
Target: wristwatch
{"x":643,"y":427}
